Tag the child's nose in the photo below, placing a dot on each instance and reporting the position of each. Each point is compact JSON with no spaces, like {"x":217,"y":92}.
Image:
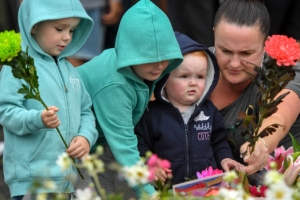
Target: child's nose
{"x":67,"y":36}
{"x":160,"y":65}
{"x":192,"y":81}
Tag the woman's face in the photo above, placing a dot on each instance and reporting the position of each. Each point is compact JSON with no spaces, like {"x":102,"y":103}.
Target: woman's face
{"x":235,"y":43}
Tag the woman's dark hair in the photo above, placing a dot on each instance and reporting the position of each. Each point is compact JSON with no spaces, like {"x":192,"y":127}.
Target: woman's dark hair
{"x":244,"y":13}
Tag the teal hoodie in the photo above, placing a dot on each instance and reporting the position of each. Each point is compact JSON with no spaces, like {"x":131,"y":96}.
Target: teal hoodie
{"x":119,"y":96}
{"x":31,"y":149}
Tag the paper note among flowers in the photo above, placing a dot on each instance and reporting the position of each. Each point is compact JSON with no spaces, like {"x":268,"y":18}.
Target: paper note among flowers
{"x":206,"y":186}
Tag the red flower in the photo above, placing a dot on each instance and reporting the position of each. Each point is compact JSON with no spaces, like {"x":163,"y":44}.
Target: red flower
{"x":258,"y":191}
{"x":285,"y":50}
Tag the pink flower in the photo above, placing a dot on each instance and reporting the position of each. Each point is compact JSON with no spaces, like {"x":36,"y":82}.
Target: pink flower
{"x":283,"y":49}
{"x":279,"y":155}
{"x":154,"y":164}
{"x":152,"y":160}
{"x":208,"y":172}
{"x":293,"y":170}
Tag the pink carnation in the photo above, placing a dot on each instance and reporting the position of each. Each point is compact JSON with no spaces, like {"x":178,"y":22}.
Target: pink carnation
{"x":286,"y":51}
{"x":154,"y":163}
{"x":208,"y":172}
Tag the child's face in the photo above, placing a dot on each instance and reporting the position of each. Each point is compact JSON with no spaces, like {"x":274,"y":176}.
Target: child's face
{"x":53,"y":36}
{"x":186,"y":83}
{"x":150,"y":71}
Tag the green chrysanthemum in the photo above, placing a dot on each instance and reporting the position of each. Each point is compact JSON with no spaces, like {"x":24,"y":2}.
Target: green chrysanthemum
{"x":10,"y":45}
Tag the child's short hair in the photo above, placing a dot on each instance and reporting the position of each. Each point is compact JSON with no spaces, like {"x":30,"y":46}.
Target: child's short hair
{"x":197,"y":53}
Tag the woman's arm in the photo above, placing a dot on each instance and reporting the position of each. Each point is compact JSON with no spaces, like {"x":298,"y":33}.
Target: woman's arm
{"x":287,"y":113}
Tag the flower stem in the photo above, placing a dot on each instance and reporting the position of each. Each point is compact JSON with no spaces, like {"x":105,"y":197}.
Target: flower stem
{"x":98,"y":186}
{"x":57,"y":129}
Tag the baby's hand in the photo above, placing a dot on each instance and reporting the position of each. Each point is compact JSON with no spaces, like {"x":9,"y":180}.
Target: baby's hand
{"x":79,"y":147}
{"x":229,"y":164}
{"x":161,"y":174}
{"x":50,"y":118}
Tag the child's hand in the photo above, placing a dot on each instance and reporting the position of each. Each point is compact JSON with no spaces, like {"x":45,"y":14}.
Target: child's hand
{"x":79,"y":147}
{"x":50,"y":118}
{"x":229,"y":164}
{"x":161,"y":174}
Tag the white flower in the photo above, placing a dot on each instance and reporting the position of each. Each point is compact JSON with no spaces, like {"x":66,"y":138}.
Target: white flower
{"x":233,"y":194}
{"x":85,"y":194}
{"x":230,"y":176}
{"x":99,"y":150}
{"x":41,"y":196}
{"x":93,"y":164}
{"x":49,"y":184}
{"x":279,"y":191}
{"x":136,"y":174}
{"x":273,"y":177}
{"x":64,"y":161}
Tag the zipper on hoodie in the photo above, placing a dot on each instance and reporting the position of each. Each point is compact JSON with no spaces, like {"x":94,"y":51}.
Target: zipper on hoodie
{"x":66,"y":91}
{"x":187,"y":149}
{"x":62,"y":78}
{"x":68,"y":113}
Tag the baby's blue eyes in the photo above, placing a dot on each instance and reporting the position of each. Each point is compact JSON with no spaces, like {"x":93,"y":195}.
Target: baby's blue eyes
{"x":185,"y":76}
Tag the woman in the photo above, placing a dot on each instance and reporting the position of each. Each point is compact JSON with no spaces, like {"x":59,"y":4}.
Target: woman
{"x":241,"y":28}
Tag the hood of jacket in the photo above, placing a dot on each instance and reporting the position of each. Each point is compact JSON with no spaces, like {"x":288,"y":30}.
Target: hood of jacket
{"x":188,"y":45}
{"x":32,"y":12}
{"x":145,"y":35}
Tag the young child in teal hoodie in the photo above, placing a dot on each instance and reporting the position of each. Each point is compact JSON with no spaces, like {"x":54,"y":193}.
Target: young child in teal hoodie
{"x":120,"y":80}
{"x":52,"y":30}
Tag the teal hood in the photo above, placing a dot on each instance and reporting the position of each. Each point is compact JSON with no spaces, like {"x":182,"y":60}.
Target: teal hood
{"x":146,"y":35}
{"x":32,"y":12}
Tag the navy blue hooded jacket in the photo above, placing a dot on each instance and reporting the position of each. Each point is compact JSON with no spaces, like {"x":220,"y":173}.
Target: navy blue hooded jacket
{"x":189,"y":147}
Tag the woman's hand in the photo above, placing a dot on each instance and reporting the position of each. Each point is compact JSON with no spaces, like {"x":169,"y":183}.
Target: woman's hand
{"x":258,"y":158}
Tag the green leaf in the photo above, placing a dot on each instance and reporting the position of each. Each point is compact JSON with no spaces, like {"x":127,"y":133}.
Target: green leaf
{"x":295,"y":144}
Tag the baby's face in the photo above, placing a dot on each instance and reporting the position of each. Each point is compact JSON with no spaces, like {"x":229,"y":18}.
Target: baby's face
{"x":150,"y":71}
{"x":186,"y":83}
{"x":53,"y":36}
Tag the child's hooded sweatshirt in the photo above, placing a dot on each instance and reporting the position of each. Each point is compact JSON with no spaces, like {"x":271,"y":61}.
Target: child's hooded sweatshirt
{"x":119,"y":96}
{"x":31,"y":149}
{"x":191,"y":146}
